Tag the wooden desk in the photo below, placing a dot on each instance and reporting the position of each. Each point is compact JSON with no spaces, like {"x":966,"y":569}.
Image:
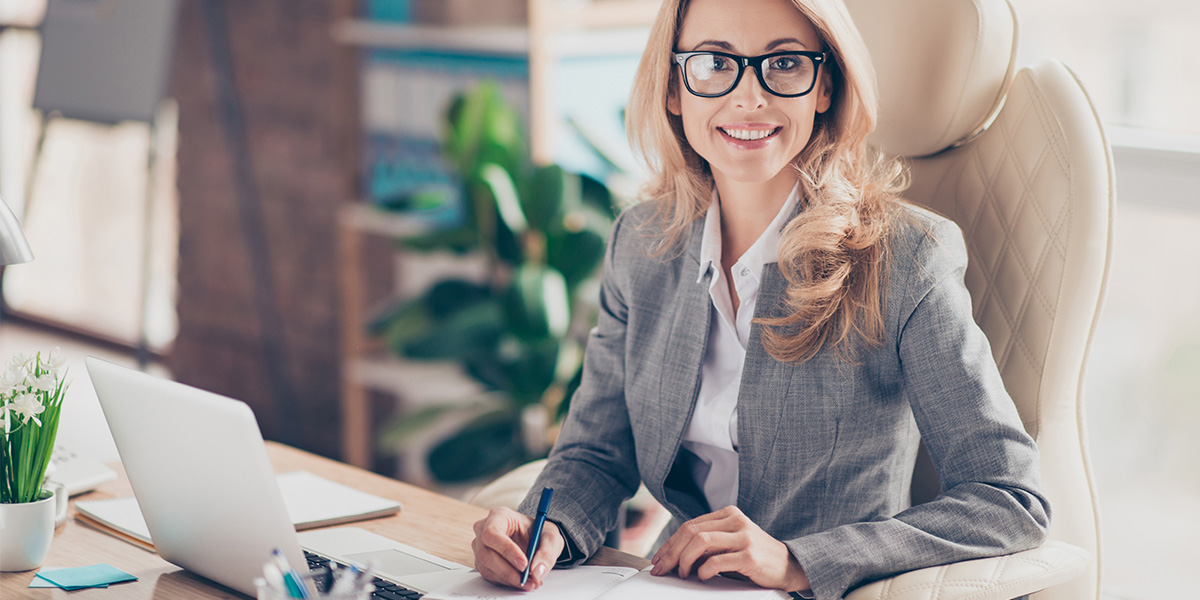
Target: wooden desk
{"x":432,"y":522}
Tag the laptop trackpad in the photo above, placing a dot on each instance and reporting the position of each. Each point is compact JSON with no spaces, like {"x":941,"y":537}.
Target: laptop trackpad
{"x":395,"y":563}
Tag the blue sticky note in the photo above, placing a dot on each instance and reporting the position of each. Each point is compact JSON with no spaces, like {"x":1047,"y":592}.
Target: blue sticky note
{"x":76,"y":578}
{"x":38,"y":582}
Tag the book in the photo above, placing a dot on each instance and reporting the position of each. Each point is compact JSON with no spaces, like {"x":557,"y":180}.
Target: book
{"x":311,"y":502}
{"x":613,"y":583}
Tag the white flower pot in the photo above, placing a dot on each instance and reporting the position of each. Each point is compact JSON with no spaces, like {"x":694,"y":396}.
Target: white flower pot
{"x":27,"y":528}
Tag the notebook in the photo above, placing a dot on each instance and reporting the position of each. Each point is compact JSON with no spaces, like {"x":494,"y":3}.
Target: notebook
{"x":311,"y":502}
{"x":612,"y":583}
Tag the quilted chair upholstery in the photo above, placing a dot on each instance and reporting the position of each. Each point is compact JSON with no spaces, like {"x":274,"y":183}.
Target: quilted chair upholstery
{"x":1018,"y":159}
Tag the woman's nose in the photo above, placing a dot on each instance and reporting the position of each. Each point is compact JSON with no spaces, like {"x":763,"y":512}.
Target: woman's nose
{"x":749,"y":92}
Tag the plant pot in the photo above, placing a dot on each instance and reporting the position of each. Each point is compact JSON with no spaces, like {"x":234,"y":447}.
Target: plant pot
{"x":27,"y":528}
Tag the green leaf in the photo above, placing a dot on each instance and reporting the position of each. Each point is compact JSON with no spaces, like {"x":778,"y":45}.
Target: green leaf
{"x":463,"y":129}
{"x":449,"y":296}
{"x":504,"y":191}
{"x":537,"y":303}
{"x":470,"y":330}
{"x":459,"y":239}
{"x":484,"y":447}
{"x":531,"y":370}
{"x":482,"y":127}
{"x":410,"y":322}
{"x":577,"y":255}
{"x":553,"y":191}
{"x":598,"y":196}
{"x":576,"y":248}
{"x":488,"y":369}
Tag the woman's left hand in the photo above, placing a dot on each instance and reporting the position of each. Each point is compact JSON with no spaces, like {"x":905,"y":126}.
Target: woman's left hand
{"x":727,"y":541}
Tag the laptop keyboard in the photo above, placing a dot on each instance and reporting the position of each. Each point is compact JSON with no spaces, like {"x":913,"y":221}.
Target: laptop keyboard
{"x":384,"y":590}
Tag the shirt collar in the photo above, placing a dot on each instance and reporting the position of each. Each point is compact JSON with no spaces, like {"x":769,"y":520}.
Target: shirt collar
{"x":764,"y":250}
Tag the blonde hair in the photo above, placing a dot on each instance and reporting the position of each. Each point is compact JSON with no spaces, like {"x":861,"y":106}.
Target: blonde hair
{"x":834,"y":252}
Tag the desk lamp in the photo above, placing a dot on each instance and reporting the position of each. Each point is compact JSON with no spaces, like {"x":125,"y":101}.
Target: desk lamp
{"x":13,"y":247}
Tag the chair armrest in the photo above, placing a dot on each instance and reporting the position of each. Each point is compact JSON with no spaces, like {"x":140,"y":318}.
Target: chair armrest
{"x":998,"y":578}
{"x":510,"y":488}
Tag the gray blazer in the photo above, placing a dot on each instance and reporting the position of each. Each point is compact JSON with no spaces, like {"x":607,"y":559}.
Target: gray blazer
{"x":826,"y":448}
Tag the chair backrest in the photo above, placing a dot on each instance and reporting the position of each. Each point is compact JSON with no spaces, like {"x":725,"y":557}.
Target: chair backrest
{"x":1019,"y":160}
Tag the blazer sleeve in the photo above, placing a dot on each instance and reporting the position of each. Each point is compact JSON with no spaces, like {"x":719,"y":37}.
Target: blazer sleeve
{"x":991,"y":503}
{"x":592,"y":467}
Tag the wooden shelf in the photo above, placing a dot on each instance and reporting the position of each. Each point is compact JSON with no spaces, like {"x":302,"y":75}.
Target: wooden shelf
{"x":498,"y":41}
{"x":602,"y":14}
{"x":419,"y":383}
{"x":389,"y":36}
{"x":366,"y":218}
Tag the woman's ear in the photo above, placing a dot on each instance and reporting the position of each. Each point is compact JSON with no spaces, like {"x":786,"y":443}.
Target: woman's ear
{"x":825,"y":97}
{"x":673,"y":106}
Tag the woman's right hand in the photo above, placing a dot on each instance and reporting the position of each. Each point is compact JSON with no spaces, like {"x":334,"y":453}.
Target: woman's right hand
{"x":499,"y":545}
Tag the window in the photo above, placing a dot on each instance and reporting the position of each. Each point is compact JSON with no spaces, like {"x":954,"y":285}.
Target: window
{"x":85,"y":222}
{"x":1140,"y":62}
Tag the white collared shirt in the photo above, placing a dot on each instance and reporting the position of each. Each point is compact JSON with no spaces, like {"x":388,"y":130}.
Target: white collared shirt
{"x":712,"y":433}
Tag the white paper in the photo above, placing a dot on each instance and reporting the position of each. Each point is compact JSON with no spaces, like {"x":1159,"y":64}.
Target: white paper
{"x":579,"y":583}
{"x":122,"y":514}
{"x":314,"y":501}
{"x":670,"y":587}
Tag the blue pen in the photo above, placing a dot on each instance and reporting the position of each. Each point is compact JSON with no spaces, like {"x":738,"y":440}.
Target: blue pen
{"x":291,"y":579}
{"x":543,"y":506}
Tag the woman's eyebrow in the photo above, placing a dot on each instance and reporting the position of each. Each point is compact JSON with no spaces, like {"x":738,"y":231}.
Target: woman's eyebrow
{"x":781,"y":41}
{"x":723,"y":45}
{"x":729,"y":47}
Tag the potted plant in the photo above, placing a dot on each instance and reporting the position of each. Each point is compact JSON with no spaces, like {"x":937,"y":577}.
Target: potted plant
{"x":31,"y":395}
{"x":520,"y":334}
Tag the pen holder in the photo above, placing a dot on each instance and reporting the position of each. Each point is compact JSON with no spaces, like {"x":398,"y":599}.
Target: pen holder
{"x":268,"y":591}
{"x":321,"y":585}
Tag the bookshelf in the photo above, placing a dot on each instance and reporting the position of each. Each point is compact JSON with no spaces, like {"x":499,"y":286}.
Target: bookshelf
{"x":568,"y":69}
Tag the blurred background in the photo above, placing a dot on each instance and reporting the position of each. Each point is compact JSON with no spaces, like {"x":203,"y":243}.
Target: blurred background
{"x":275,"y":201}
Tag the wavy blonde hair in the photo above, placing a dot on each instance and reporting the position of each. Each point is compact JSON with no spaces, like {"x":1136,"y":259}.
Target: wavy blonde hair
{"x":834,"y":252}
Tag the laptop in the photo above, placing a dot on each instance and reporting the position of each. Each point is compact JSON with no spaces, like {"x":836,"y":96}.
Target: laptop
{"x":206,"y":488}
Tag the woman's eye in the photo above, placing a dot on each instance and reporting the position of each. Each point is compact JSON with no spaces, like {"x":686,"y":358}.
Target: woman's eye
{"x":785,"y":63}
{"x":720,"y":63}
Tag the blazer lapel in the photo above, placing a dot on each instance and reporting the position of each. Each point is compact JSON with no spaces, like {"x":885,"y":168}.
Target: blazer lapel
{"x":764,"y":387}
{"x":683,"y":356}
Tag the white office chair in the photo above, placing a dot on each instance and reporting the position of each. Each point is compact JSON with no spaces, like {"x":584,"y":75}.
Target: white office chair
{"x":1018,"y":159}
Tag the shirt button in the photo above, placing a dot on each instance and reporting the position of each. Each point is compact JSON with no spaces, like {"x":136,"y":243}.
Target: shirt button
{"x":745,"y":272}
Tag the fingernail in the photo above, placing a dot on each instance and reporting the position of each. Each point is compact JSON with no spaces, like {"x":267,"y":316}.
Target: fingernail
{"x":539,"y":572}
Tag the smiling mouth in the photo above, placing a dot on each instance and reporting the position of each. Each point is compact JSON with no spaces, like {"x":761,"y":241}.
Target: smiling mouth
{"x":750,"y":135}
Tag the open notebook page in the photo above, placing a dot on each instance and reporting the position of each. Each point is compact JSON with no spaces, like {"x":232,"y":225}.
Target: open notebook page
{"x":579,"y":583}
{"x":613,"y":583}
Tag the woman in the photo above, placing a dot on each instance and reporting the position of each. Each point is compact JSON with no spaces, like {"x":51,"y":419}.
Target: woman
{"x":777,"y":332}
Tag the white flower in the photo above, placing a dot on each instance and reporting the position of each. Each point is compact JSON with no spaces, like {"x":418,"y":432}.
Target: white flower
{"x":11,"y":378}
{"x":45,"y":383}
{"x":29,"y":407}
{"x":20,"y":360}
{"x":56,"y":361}
{"x":4,"y":417}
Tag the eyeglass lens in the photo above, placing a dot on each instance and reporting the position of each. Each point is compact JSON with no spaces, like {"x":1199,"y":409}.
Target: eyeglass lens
{"x":787,"y":74}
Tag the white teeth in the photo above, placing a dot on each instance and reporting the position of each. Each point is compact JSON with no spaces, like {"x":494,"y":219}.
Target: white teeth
{"x":748,"y":134}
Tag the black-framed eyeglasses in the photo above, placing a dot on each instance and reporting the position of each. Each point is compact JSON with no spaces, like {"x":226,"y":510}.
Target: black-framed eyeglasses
{"x":710,"y":74}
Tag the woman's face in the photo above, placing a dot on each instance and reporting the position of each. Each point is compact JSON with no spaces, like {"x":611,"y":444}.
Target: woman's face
{"x":748,"y":135}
